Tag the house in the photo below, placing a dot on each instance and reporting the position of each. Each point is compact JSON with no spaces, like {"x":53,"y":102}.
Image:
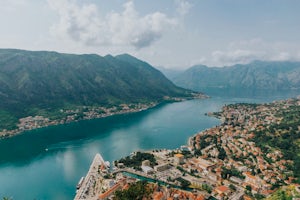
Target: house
{"x":222,"y":190}
{"x":212,"y":176}
{"x":146,"y":163}
{"x":147,"y":169}
{"x":178,"y":158}
{"x":161,"y":167}
{"x":109,"y":192}
{"x":205,"y":164}
{"x":254,"y":181}
{"x":236,"y":180}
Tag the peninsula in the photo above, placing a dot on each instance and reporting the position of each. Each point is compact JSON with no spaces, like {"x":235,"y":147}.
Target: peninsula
{"x":253,"y":154}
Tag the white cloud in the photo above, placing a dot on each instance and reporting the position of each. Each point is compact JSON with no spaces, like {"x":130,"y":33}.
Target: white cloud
{"x":282,"y":56}
{"x":246,"y":51}
{"x":183,"y":7}
{"x":84,"y":23}
{"x":198,"y":61}
{"x":9,"y":5}
{"x":236,"y":56}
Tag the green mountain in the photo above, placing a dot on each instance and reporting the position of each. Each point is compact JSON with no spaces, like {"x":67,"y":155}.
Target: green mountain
{"x":258,"y":75}
{"x":38,"y":82}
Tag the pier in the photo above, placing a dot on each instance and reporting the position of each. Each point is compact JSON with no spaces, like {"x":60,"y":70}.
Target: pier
{"x":89,"y":188}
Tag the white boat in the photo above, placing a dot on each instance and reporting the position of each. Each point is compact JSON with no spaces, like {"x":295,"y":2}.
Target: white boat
{"x":80,"y":183}
{"x":107,"y":163}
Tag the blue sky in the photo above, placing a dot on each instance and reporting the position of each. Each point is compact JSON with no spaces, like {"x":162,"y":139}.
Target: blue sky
{"x":169,"y":33}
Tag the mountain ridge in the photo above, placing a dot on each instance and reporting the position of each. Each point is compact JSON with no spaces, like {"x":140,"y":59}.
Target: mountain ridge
{"x":262,"y":75}
{"x":32,"y":82}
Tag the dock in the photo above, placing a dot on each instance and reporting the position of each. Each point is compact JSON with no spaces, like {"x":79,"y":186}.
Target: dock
{"x":88,"y":188}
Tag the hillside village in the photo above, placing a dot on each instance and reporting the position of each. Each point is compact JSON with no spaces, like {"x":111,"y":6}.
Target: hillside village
{"x":78,"y":113}
{"x":72,"y":115}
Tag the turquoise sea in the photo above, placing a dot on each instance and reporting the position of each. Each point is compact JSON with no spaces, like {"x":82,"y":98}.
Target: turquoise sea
{"x":47,"y":163}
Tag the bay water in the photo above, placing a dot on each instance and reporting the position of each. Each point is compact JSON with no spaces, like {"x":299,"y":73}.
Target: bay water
{"x":47,"y":163}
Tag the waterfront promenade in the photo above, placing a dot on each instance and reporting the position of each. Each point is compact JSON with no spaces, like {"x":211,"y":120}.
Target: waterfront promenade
{"x":92,"y":179}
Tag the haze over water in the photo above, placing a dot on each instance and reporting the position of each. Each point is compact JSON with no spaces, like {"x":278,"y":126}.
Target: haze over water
{"x":47,"y":163}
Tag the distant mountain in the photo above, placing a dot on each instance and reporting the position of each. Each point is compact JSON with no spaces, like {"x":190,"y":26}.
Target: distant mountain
{"x":170,"y":73}
{"x":258,"y":75}
{"x":33,"y":81}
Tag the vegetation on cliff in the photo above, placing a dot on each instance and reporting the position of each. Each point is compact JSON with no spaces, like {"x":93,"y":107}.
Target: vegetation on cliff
{"x":43,"y":83}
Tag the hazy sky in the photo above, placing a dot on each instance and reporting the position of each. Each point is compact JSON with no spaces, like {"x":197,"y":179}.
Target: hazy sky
{"x":169,"y":33}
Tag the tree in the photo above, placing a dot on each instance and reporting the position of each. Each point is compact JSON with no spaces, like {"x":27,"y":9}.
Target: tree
{"x":232,"y":187}
{"x":197,"y":152}
{"x":222,"y":153}
{"x":249,"y":188}
{"x":207,"y":188}
{"x":183,"y":183}
{"x":138,"y":191}
{"x":259,"y":196}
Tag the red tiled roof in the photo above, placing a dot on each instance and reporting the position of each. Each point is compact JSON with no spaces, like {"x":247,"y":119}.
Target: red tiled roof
{"x":222,"y":189}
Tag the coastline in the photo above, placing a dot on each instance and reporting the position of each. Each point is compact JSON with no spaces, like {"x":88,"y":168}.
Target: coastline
{"x":216,"y":161}
{"x":240,"y":124}
{"x":47,"y":122}
{"x":30,"y":123}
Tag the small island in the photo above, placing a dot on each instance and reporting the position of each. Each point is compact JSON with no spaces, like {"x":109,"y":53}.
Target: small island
{"x":253,"y":154}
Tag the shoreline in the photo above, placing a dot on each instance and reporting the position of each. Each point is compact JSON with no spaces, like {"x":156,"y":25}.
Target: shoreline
{"x":221,"y":164}
{"x":11,"y":133}
{"x":30,"y":123}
